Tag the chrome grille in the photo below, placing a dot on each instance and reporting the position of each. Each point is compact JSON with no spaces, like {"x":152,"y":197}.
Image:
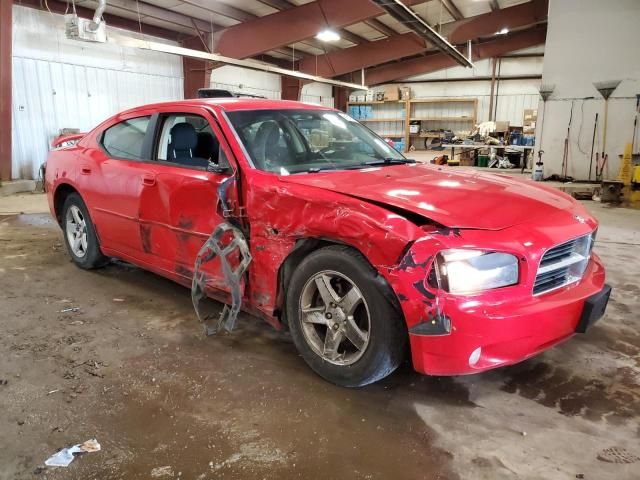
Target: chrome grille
{"x":563,"y":264}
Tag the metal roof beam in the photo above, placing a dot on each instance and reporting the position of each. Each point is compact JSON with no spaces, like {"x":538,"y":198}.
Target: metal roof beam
{"x":408,"y":44}
{"x":440,"y":61}
{"x":450,"y":7}
{"x":361,"y":56}
{"x":293,"y":25}
{"x":380,"y":27}
{"x":487,"y":24}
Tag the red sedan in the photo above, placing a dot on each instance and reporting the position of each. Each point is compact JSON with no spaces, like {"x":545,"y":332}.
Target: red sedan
{"x":300,"y":215}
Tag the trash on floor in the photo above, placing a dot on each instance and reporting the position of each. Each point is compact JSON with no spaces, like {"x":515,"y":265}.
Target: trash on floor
{"x":158,"y":472}
{"x":65,"y":456}
{"x":71,"y":309}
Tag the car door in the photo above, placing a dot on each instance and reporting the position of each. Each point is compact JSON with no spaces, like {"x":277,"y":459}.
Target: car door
{"x":179,"y":209}
{"x":115,"y":180}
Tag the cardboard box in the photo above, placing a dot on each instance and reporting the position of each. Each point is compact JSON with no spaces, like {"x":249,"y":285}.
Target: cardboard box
{"x":466,"y":162}
{"x":467,"y":158}
{"x":391,"y":94}
{"x":353,"y":98}
{"x":405,"y":93}
{"x":502,"y":126}
{"x":369,"y":97}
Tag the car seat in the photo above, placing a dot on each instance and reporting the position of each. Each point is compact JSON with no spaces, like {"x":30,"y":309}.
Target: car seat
{"x":184,"y":140}
{"x":207,"y":147}
{"x":266,"y":144}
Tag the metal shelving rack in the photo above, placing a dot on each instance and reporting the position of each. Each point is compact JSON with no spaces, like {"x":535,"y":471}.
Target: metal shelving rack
{"x":392,"y":118}
{"x":425,"y":110}
{"x":388,"y":118}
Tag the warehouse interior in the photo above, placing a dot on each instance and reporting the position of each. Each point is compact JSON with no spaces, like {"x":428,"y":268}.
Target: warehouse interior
{"x":544,"y":91}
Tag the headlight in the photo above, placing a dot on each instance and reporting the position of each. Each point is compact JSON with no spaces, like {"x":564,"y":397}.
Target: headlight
{"x":467,"y":271}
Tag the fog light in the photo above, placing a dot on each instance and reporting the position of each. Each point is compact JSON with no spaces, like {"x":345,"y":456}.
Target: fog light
{"x":475,"y":356}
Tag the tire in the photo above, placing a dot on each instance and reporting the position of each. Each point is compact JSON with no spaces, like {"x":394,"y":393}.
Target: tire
{"x":85,"y":252}
{"x":379,"y":335}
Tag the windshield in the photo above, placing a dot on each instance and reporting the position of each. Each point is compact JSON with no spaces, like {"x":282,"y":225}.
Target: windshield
{"x":296,"y":141}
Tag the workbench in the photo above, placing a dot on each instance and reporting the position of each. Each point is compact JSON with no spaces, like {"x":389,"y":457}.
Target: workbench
{"x":524,"y":149}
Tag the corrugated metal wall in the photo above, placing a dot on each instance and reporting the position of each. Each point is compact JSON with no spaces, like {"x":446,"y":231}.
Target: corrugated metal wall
{"x":59,"y":83}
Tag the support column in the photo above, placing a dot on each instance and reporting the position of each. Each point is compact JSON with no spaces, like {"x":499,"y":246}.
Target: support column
{"x":291,"y":88}
{"x":6,"y":40}
{"x":494,"y":62}
{"x":197,"y":73}
{"x":340,"y":98}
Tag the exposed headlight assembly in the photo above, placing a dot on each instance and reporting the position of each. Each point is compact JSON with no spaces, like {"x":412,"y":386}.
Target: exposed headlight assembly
{"x":462,"y":271}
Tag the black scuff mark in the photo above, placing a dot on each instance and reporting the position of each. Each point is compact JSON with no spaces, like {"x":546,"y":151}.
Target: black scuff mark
{"x":145,"y":236}
{"x":408,"y":261}
{"x":419,"y":286}
{"x":185,"y":223}
{"x":402,"y":297}
{"x":435,"y":324}
{"x":184,"y":271}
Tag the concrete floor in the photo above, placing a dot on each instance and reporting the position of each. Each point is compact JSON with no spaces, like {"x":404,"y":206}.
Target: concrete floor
{"x":132,"y":368}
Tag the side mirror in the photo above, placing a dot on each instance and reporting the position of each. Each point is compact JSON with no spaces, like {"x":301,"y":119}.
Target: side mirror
{"x":218,"y":169}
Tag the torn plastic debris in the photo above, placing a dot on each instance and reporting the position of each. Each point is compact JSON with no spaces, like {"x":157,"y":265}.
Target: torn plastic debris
{"x":210,"y":250}
{"x":70,"y":309}
{"x":65,"y":456}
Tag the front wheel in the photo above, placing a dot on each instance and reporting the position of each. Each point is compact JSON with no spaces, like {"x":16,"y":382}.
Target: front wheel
{"x":342,"y":320}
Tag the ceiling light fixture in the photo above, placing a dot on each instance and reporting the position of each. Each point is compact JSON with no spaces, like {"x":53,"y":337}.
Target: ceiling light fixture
{"x":504,"y":31}
{"x":328,"y":36}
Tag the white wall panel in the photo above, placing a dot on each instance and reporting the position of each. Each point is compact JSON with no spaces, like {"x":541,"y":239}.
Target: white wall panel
{"x":318,"y":93}
{"x":604,"y":47}
{"x":243,"y":80}
{"x":60,"y":83}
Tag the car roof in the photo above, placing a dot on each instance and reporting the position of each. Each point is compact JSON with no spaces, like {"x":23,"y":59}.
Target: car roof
{"x":234,"y":104}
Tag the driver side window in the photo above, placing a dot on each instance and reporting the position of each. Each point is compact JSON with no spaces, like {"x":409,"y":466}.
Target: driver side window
{"x":187,"y":140}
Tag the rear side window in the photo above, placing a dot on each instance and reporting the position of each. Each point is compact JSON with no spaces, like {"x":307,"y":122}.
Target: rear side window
{"x":126,"y":139}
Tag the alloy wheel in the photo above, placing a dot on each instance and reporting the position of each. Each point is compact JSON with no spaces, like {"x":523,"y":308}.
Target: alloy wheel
{"x":335,"y":318}
{"x":76,"y":229}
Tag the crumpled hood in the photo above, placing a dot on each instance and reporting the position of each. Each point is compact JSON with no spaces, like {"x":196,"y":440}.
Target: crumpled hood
{"x":456,"y":198}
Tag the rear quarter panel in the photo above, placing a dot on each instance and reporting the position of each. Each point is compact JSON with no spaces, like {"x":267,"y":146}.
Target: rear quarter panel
{"x":62,"y":168}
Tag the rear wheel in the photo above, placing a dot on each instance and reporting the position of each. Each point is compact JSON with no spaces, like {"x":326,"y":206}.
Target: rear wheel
{"x":343,"y":325}
{"x":80,"y":235}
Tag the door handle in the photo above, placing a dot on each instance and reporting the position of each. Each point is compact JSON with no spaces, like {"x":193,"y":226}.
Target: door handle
{"x":148,"y":179}
{"x":85,"y":169}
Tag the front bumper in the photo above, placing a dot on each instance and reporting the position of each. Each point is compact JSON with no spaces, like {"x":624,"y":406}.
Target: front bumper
{"x":498,"y":328}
